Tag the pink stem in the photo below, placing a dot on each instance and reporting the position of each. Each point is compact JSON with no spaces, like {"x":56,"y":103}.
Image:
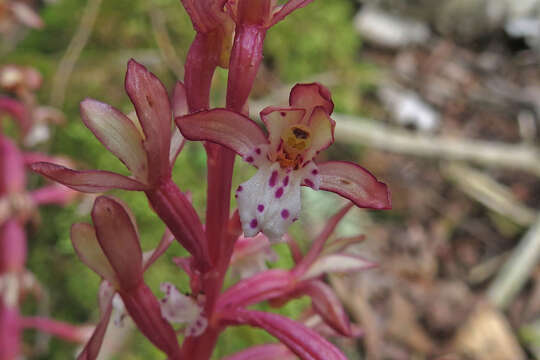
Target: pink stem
{"x":60,"y":329}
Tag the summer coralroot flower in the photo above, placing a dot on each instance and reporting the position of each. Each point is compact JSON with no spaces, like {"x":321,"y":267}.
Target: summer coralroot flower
{"x":270,"y":201}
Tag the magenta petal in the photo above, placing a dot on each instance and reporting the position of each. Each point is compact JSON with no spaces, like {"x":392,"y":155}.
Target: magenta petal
{"x":288,"y":8}
{"x":12,"y":176}
{"x":53,"y":194}
{"x":90,"y":181}
{"x":327,"y":305}
{"x":354,"y":183}
{"x":119,"y":240}
{"x":153,"y":108}
{"x":91,"y":350}
{"x":304,"y":342}
{"x":223,"y":127}
{"x":262,"y":286}
{"x":179,"y":100}
{"x":264,"y":352}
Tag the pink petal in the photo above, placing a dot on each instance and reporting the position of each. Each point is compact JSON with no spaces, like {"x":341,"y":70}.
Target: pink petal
{"x":277,"y":119}
{"x":337,"y":263}
{"x":264,"y":352}
{"x":118,"y":134}
{"x":322,"y":132}
{"x":90,"y":181}
{"x":309,"y":96}
{"x":91,"y":350}
{"x":86,"y":245}
{"x":327,"y":305}
{"x":153,"y":108}
{"x":304,"y":342}
{"x":65,"y":331}
{"x":119,"y":240}
{"x":223,"y":127}
{"x":12,"y":175}
{"x":354,"y":183}
{"x":288,"y":8}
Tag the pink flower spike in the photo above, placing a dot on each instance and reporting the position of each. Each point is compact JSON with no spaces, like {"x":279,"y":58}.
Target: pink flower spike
{"x":89,"y":181}
{"x":304,"y":342}
{"x":118,"y":134}
{"x":354,"y":183}
{"x":117,"y":236}
{"x":224,"y":127}
{"x":264,"y":352}
{"x":337,"y":263}
{"x":153,"y":108}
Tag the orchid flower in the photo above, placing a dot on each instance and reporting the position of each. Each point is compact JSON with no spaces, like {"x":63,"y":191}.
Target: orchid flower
{"x":270,"y":201}
{"x":112,"y":249}
{"x":142,"y":144}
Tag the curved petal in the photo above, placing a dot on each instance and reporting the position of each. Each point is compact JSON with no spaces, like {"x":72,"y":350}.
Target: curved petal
{"x":304,"y":342}
{"x":90,"y":181}
{"x":91,"y":350}
{"x":277,"y":119}
{"x":263,"y":352}
{"x":309,"y":96}
{"x":223,"y":127}
{"x":119,"y":240}
{"x":337,"y":263}
{"x":86,"y":245}
{"x":118,"y":134}
{"x":322,"y":129}
{"x":153,"y":108}
{"x":354,"y":183}
{"x":288,"y":8}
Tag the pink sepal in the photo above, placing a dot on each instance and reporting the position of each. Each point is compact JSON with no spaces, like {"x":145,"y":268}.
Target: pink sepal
{"x":311,"y":95}
{"x":264,"y":352}
{"x":318,"y":244}
{"x":150,"y":257}
{"x":12,"y":175}
{"x":288,"y":8}
{"x":153,"y":108}
{"x":68,"y":332}
{"x":262,"y":286}
{"x":230,"y":129}
{"x":89,"y":181}
{"x":355,"y":183}
{"x":117,"y":236}
{"x":92,"y":347}
{"x":53,"y":194}
{"x":327,"y":305}
{"x":144,"y":309}
{"x":246,"y":56}
{"x":304,"y":342}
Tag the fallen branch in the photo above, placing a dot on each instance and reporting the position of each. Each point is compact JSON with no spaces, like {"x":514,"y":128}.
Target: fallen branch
{"x":353,"y":130}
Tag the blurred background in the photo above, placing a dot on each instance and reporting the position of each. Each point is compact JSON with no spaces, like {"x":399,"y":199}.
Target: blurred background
{"x":439,"y":99}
